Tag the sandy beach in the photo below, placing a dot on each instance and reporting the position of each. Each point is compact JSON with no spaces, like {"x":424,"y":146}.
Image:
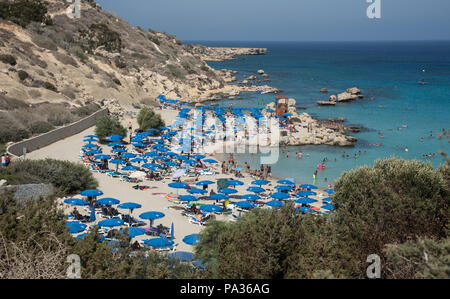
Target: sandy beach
{"x":153,"y":199}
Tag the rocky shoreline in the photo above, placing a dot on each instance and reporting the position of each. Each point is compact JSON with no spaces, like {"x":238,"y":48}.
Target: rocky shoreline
{"x":305,"y":130}
{"x":224,"y":53}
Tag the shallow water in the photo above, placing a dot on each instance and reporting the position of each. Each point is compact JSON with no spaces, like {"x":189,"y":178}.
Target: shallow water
{"x":388,"y":75}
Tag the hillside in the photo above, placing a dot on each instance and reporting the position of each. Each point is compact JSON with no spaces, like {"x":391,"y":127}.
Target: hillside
{"x":78,"y":61}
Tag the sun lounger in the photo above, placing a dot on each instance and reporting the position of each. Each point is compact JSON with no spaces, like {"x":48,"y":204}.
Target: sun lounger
{"x":195,"y":221}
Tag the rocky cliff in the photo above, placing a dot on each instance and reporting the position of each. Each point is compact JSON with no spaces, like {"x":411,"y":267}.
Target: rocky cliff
{"x":52,"y":57}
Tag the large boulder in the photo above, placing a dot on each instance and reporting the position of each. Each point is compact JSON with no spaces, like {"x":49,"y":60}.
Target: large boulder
{"x":346,"y":96}
{"x":260,"y":72}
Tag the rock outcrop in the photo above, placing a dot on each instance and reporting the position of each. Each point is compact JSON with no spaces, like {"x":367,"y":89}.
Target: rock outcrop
{"x":350,"y":94}
{"x":305,"y":130}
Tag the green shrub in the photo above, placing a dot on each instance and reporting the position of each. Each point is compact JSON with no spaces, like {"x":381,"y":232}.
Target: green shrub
{"x":41,"y":127}
{"x":22,"y":75}
{"x":68,"y":177}
{"x":100,"y":35}
{"x":49,"y":86}
{"x":175,"y":71}
{"x":8,"y":59}
{"x":108,"y":125}
{"x":23,"y":12}
{"x":86,"y":110}
{"x":148,"y":119}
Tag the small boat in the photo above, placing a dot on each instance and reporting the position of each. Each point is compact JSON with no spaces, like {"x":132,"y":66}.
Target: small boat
{"x":423,"y":82}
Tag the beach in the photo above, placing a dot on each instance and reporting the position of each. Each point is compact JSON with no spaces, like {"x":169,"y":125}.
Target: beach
{"x":153,"y":199}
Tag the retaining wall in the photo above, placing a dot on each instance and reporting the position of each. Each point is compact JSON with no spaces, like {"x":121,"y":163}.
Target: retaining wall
{"x":34,"y":143}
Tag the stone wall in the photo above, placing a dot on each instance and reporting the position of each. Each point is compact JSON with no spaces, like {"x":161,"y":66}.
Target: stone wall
{"x":34,"y":143}
{"x":29,"y":191}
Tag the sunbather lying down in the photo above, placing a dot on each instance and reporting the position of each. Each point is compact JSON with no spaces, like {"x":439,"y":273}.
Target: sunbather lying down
{"x":137,"y":187}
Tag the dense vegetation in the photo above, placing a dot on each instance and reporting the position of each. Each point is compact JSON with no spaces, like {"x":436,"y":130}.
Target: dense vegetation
{"x":67,"y":177}
{"x":109,"y":125}
{"x":23,"y":12}
{"x":394,"y":205}
{"x":100,"y":35}
{"x":34,"y":243}
{"x":148,"y":119}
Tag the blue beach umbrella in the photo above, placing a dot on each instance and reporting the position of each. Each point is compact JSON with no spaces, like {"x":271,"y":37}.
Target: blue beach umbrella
{"x":251,"y":197}
{"x":117,"y":161}
{"x":158,"y":242}
{"x":196,"y":191}
{"x":108,"y":201}
{"x":306,"y":193}
{"x":113,"y":144}
{"x":178,"y":185}
{"x":187,"y":198}
{"x":275,"y":203}
{"x":308,"y":186}
{"x":305,"y":209}
{"x":227,"y":191}
{"x":211,"y":208}
{"x":76,"y":202}
{"x":198,"y":157}
{"x":134,"y":231}
{"x":286,"y":182}
{"x":191,"y":239}
{"x":93,"y":152}
{"x":244,"y":204}
{"x":328,"y":206}
{"x":305,"y":200}
{"x":129,"y":168}
{"x":234,"y":183}
{"x":75,"y":227}
{"x":112,"y":222}
{"x":260,"y":182}
{"x":90,"y":145}
{"x":129,"y":155}
{"x":92,"y":216}
{"x":118,"y":150}
{"x":283,"y":187}
{"x":329,"y":191}
{"x":91,"y":136}
{"x":129,"y":206}
{"x":182,"y":256}
{"x":102,"y":157}
{"x":279,"y":195}
{"x":117,"y":137}
{"x":326,"y":199}
{"x":202,"y":183}
{"x":153,"y":215}
{"x":219,"y":196}
{"x":210,"y":161}
{"x":256,"y":189}
{"x":138,"y":160}
{"x":91,"y":193}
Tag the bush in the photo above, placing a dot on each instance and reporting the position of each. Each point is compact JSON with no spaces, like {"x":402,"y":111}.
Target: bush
{"x":22,"y":75}
{"x":68,"y":177}
{"x":41,"y":127}
{"x":49,"y":86}
{"x":23,"y":12}
{"x":100,"y":35}
{"x":8,"y":59}
{"x":148,"y":119}
{"x":107,"y":125}
{"x":86,"y":110}
{"x":376,"y":208}
{"x":175,"y":71}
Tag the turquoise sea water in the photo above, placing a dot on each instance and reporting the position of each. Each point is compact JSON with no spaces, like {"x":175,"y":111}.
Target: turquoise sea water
{"x":388,"y":75}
